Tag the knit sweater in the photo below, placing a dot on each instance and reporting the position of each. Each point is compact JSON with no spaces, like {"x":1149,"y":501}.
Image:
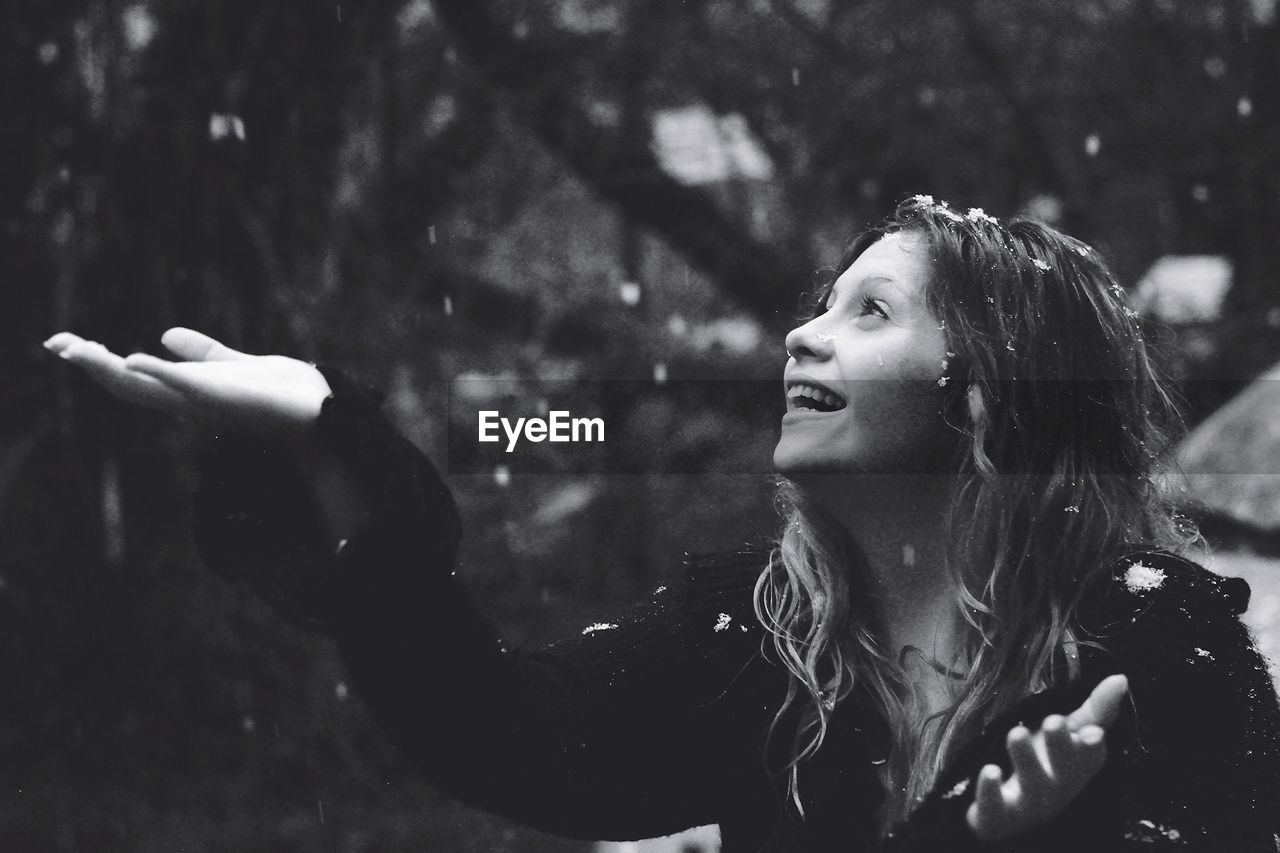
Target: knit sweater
{"x":653,"y":719}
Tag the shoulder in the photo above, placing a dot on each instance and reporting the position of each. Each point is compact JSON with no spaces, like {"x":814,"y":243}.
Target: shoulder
{"x":1157,"y":593}
{"x":1173,"y":627}
{"x":721,"y":587}
{"x":1202,"y":696}
{"x":724,"y":638}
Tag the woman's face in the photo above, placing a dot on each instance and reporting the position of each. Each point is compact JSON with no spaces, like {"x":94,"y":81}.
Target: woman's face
{"x":862,"y":380}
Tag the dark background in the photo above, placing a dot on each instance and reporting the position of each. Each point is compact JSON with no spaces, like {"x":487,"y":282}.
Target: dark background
{"x":426,"y":190}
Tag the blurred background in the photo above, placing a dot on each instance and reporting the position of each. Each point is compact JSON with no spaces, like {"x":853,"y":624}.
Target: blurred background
{"x":525,"y":191}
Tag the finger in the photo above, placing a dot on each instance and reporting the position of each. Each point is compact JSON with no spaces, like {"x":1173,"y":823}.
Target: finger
{"x":1059,"y":746}
{"x":108,"y":370}
{"x":190,"y":345}
{"x":60,"y":341}
{"x":1089,"y":750}
{"x":178,"y":375}
{"x":1103,"y":705}
{"x":988,"y":806}
{"x":1028,"y":769}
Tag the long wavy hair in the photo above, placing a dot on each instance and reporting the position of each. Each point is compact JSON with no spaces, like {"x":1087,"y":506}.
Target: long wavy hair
{"x":1065,"y":424}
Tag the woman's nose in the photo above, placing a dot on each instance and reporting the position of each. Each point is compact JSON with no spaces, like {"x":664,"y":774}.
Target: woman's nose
{"x":807,"y":340}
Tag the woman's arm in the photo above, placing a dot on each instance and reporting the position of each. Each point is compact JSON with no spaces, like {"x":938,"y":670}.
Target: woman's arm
{"x":596,"y":736}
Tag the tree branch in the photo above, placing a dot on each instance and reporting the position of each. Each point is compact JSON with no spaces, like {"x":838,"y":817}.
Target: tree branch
{"x":622,"y":168}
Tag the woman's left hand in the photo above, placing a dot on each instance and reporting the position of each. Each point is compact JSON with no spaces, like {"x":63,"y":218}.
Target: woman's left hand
{"x":1050,"y":766}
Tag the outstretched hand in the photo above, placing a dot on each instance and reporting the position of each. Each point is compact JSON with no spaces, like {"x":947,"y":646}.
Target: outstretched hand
{"x":1050,"y":766}
{"x":269,"y":396}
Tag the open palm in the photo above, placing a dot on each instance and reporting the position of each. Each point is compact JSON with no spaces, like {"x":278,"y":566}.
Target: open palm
{"x":1050,"y":766}
{"x":270,"y":396}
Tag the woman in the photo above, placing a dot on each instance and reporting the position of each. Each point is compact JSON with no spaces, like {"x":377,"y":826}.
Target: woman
{"x":972,"y":631}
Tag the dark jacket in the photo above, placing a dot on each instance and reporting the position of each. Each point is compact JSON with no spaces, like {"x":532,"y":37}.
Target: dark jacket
{"x":652,"y":720}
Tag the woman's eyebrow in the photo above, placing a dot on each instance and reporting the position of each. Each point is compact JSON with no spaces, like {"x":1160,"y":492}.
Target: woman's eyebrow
{"x":875,"y":278}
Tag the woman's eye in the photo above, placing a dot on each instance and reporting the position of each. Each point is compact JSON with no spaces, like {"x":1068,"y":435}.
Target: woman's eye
{"x":870,"y":306}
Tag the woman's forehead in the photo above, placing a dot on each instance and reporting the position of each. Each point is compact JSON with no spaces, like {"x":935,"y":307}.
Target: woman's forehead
{"x":900,"y":259}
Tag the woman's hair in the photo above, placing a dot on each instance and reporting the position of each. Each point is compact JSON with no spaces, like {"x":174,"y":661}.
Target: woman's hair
{"x":1065,"y":423}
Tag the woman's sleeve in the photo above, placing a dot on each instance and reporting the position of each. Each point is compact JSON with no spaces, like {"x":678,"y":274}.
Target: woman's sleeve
{"x":603,"y":735}
{"x":1193,"y":763}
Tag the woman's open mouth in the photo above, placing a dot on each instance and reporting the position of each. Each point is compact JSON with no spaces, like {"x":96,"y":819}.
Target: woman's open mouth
{"x":811,"y":397}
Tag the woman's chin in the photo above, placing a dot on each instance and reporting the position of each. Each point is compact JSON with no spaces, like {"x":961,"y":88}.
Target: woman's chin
{"x":795,"y":462}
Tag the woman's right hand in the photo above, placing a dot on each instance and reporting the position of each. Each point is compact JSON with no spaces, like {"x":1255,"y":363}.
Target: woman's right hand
{"x":267,"y":396}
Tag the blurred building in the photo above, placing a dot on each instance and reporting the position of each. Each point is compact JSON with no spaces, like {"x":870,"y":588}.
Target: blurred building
{"x":1182,"y":289}
{"x":703,"y":839}
{"x":1230,"y":463}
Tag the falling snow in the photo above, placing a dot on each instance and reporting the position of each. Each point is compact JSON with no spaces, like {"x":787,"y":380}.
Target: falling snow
{"x":1041,"y":265}
{"x":502,"y":475}
{"x":1140,"y":578}
{"x":222,"y":125}
{"x":598,"y":626}
{"x":1092,"y":145}
{"x":629,"y":293}
{"x":722,"y":621}
{"x":659,"y":373}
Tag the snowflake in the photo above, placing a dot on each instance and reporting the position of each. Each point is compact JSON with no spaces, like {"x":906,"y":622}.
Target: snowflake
{"x":1204,"y":653}
{"x":1148,"y":832}
{"x":598,"y":626}
{"x":977,"y":214}
{"x":924,"y":199}
{"x":960,"y":788}
{"x":1072,"y":509}
{"x":722,"y":621}
{"x":659,"y":589}
{"x":1140,"y":578}
{"x":1041,"y":265}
